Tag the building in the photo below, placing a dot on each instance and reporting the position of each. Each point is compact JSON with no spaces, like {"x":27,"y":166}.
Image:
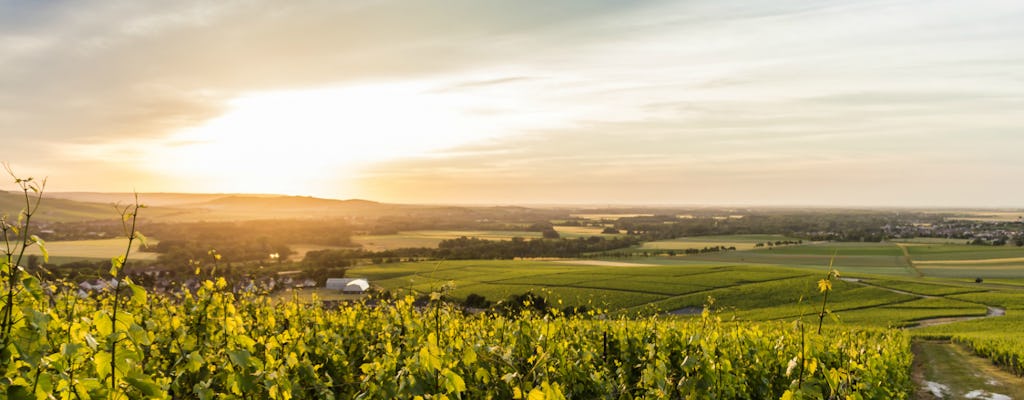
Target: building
{"x":348,"y":285}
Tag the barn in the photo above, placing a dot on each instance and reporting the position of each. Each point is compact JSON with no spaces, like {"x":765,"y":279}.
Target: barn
{"x":348,"y":285}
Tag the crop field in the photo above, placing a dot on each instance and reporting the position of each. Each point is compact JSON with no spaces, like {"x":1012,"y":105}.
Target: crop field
{"x":840,"y":249}
{"x":927,"y":288}
{"x":931,"y":259}
{"x":100,"y":249}
{"x":740,"y":242}
{"x":570,"y":232}
{"x":968,"y":271}
{"x":432,"y":238}
{"x":610,"y":217}
{"x":954,"y":252}
{"x":743,"y":291}
{"x":928,"y":240}
{"x":883,"y":265}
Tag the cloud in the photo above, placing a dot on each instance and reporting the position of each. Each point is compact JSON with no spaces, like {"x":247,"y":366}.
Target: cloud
{"x":635,"y":98}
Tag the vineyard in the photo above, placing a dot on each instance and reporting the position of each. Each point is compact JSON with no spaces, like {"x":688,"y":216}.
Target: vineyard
{"x":213,"y":344}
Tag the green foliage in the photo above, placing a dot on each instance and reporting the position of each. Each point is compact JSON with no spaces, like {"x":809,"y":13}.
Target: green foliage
{"x":177,"y":347}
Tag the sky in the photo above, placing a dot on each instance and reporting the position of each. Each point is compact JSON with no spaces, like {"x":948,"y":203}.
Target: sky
{"x":718,"y":102}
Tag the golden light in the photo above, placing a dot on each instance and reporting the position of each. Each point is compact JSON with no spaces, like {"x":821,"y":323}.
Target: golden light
{"x":296,"y":142}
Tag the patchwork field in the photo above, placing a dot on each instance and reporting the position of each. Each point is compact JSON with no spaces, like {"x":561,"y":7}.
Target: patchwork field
{"x":929,"y":258}
{"x":749,"y":292}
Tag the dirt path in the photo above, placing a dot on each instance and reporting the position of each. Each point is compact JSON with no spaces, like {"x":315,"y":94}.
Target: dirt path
{"x":909,"y":260}
{"x":992,"y":311}
{"x":945,"y":370}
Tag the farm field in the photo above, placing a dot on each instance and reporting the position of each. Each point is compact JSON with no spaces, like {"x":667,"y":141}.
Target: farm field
{"x":743,"y":291}
{"x":430,"y":238}
{"x":962,"y":252}
{"x":929,"y":259}
{"x":610,"y":217}
{"x":570,"y":232}
{"x":99,"y":249}
{"x":740,"y":242}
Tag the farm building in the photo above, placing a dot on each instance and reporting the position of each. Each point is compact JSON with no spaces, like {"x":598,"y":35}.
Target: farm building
{"x":348,"y":285}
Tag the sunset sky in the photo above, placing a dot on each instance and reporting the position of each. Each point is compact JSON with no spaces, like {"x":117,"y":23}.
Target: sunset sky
{"x":853,"y":103}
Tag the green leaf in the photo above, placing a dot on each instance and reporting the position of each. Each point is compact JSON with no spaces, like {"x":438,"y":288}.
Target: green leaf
{"x":239,"y":357}
{"x":195,"y":361}
{"x":103,"y":324}
{"x":139,"y":335}
{"x":138,"y":294}
{"x":42,"y":247}
{"x":102,"y":362}
{"x":31,"y":284}
{"x":115,"y":265}
{"x":145,"y":385}
{"x":19,"y":393}
{"x":453,"y":383}
{"x":142,"y":239}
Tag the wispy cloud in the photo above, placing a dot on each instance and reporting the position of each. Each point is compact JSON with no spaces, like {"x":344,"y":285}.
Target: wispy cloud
{"x":697,"y":101}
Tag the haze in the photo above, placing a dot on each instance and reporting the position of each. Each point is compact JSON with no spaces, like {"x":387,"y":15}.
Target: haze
{"x":852,"y":103}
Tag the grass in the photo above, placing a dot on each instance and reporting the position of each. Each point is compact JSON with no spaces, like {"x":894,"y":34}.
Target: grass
{"x":961,"y":374}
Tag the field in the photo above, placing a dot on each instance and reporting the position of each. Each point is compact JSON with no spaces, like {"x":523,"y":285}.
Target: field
{"x":582,"y":231}
{"x":740,"y":242}
{"x":750,"y":292}
{"x":428,"y":238}
{"x":610,"y":217}
{"x":100,"y":249}
{"x":927,"y":258}
{"x":212,"y":343}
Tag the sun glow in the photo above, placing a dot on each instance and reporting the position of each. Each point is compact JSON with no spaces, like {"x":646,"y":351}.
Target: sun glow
{"x":296,"y":142}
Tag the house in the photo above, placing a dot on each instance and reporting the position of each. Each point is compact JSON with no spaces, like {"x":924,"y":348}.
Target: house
{"x":96,"y":285}
{"x":348,"y":285}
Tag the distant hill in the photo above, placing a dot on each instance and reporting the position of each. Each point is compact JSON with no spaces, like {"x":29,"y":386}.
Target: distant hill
{"x":56,"y":209}
{"x":149,"y":199}
{"x":190,"y":207}
{"x":219,"y":207}
{"x":293,"y":207}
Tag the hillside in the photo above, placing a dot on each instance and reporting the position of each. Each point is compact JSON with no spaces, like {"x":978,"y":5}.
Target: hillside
{"x":55,"y":209}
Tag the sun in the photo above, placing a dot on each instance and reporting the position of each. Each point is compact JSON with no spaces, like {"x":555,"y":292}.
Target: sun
{"x":296,"y":142}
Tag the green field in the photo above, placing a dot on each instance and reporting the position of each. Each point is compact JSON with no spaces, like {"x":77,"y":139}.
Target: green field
{"x":744,"y":291}
{"x":929,"y":258}
{"x":954,"y":252}
{"x":740,"y":242}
